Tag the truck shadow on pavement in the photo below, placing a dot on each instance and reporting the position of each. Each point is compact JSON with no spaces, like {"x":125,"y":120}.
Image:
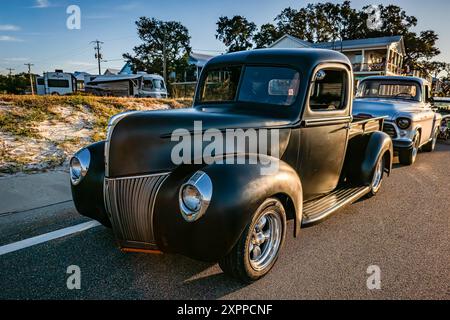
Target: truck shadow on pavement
{"x":165,"y":276}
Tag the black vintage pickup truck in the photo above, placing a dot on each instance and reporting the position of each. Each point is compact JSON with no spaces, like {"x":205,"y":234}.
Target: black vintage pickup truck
{"x":226,"y":208}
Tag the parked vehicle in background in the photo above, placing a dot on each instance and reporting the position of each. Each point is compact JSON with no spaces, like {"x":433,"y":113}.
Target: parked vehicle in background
{"x":226,"y":210}
{"x":411,"y":120}
{"x":56,"y":83}
{"x":140,"y":85}
{"x":444,"y":132}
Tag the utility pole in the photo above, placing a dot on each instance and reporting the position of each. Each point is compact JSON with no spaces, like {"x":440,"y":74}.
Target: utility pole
{"x":164,"y":59}
{"x":98,"y":54}
{"x":29,"y":65}
{"x":10,"y":71}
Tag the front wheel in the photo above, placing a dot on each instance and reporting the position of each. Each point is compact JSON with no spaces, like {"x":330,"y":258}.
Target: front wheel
{"x":431,"y":145}
{"x":377,"y":178}
{"x":258,"y":248}
{"x":408,"y":156}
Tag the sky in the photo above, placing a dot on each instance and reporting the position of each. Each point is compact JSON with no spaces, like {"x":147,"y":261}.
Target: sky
{"x":35,"y":31}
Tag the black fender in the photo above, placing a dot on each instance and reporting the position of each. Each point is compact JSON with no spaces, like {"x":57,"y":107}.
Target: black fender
{"x":88,"y":194}
{"x":363,"y":153}
{"x":238,"y":190}
{"x":378,"y":145}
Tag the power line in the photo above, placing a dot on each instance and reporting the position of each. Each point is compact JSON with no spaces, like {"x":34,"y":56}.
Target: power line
{"x":98,"y":54}
{"x":31,"y":77}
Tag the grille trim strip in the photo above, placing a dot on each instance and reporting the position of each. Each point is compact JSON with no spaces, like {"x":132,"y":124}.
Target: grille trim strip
{"x":130,"y":203}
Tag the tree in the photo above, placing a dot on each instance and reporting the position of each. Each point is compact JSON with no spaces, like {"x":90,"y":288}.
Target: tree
{"x":15,"y":84}
{"x":267,"y":34}
{"x":166,"y":44}
{"x":330,"y":22}
{"x":315,"y":23}
{"x":236,"y":33}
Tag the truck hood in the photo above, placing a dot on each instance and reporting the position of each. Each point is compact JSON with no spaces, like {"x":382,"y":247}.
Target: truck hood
{"x":141,"y":143}
{"x":384,"y":107}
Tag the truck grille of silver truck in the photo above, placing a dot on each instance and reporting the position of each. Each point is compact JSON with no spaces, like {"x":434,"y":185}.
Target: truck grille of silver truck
{"x":130,"y":204}
{"x":390,"y":129}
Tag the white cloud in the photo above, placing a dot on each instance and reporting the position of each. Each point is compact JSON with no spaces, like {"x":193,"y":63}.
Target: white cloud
{"x":81,"y":63}
{"x":10,"y":39}
{"x":42,"y":4}
{"x":9,"y":27}
{"x":15,"y":59}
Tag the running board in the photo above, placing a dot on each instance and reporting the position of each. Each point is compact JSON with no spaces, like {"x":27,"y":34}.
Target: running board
{"x":316,"y":210}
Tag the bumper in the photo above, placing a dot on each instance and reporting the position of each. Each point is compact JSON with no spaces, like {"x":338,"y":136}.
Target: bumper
{"x":402,"y":144}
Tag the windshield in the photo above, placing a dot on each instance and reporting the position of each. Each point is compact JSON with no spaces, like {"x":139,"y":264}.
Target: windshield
{"x":159,"y":84}
{"x":409,"y":90}
{"x":267,"y":85}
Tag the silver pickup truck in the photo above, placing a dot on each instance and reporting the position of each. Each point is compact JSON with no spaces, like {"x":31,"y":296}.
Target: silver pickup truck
{"x":407,"y":103}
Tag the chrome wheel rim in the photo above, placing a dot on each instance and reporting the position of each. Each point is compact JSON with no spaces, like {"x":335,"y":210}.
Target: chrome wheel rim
{"x":435,"y":139}
{"x":378,"y":176}
{"x":415,"y":147}
{"x":265,"y":241}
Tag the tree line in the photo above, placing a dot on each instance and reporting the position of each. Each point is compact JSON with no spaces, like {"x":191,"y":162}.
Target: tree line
{"x":15,"y":84}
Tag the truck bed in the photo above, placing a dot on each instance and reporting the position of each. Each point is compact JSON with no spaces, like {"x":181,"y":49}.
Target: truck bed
{"x":361,"y":126}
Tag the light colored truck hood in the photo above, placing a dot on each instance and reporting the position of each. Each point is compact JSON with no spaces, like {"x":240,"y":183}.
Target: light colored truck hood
{"x":392,"y":108}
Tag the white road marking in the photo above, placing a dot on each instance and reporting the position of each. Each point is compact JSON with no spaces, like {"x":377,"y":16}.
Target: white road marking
{"x":47,"y":237}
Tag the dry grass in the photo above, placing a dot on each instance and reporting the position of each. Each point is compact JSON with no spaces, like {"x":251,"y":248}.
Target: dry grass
{"x":41,"y":132}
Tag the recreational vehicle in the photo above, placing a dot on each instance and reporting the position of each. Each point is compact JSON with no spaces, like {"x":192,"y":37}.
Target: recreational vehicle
{"x":128,"y":85}
{"x":56,"y":83}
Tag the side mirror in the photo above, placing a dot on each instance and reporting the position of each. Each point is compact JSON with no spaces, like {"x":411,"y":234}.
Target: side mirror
{"x":320,"y":75}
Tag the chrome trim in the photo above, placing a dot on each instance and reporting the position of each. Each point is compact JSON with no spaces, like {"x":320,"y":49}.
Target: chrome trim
{"x":84,"y":157}
{"x":113,"y":122}
{"x":130,"y":204}
{"x":203,"y":183}
{"x":331,"y":120}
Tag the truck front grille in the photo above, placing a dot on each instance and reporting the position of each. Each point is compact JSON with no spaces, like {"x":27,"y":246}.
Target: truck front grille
{"x":390,"y":130}
{"x":130,"y":204}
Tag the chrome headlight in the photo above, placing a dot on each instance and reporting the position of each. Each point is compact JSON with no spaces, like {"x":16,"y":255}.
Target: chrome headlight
{"x":79,"y":166}
{"x":403,"y":123}
{"x":195,"y":196}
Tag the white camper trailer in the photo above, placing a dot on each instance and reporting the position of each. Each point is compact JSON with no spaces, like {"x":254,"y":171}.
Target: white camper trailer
{"x":128,"y":85}
{"x":56,"y":83}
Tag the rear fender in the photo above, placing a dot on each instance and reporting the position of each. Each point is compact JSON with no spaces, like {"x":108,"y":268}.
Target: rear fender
{"x":363,"y":153}
{"x":379,"y":144}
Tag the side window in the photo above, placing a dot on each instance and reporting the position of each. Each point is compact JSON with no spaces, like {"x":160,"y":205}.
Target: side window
{"x":329,"y":90}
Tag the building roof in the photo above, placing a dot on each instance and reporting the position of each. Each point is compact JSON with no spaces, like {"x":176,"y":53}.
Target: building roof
{"x":199,"y":59}
{"x":79,"y":75}
{"x":346,"y":44}
{"x":359,"y":43}
{"x":301,"y":42}
{"x":111,"y":71}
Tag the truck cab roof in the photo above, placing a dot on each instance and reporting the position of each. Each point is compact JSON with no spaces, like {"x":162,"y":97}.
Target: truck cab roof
{"x":421,"y":81}
{"x":304,"y":59}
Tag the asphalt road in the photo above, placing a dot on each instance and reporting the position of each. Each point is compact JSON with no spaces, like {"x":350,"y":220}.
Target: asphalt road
{"x":404,"y":230}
